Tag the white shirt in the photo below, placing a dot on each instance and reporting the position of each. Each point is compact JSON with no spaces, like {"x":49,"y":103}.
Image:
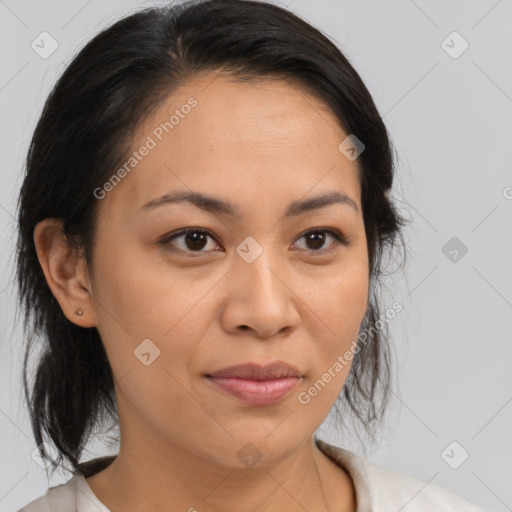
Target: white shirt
{"x":378,"y":489}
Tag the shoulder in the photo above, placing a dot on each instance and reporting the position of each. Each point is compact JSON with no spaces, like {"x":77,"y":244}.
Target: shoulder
{"x":380,"y":489}
{"x":65,"y":497}
{"x":391,"y":488}
{"x":60,"y":498}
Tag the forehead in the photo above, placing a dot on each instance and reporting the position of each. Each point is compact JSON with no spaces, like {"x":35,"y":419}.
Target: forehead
{"x":218,"y":135}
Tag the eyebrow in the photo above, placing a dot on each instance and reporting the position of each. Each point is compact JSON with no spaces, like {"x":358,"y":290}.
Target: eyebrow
{"x":215,"y":205}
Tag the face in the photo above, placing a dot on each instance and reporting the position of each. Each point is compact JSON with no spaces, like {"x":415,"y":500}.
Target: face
{"x":261,"y":281}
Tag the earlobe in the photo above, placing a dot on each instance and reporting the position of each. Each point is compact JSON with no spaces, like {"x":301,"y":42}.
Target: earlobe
{"x":63,"y":268}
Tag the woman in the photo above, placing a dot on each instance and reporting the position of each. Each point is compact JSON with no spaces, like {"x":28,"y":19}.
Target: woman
{"x":202,"y":222}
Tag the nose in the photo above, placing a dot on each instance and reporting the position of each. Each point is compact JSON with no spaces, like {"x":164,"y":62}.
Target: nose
{"x":260,"y":298}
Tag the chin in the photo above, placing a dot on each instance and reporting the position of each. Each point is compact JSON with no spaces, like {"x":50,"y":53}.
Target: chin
{"x":258,"y":451}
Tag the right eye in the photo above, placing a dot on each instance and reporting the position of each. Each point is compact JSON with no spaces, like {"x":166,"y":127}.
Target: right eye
{"x":192,"y":240}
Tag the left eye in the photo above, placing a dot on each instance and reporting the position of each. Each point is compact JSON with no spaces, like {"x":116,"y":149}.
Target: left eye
{"x":316,"y":239}
{"x":195,"y":240}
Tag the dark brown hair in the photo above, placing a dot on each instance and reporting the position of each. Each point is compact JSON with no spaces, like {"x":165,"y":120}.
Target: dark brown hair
{"x":83,"y":134}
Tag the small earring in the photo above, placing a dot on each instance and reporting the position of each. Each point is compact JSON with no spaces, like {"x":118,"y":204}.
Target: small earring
{"x":79,"y":312}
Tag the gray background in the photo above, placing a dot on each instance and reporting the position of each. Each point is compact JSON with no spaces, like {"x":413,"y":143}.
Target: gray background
{"x":450,"y":117}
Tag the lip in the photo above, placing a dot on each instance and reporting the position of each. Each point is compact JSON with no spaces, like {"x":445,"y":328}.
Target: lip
{"x":255,"y":384}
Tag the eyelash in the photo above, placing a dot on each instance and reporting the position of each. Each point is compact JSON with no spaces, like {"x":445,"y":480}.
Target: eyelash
{"x":339,"y":238}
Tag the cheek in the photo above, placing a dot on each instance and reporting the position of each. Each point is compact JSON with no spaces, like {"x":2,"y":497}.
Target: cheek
{"x":339,"y":301}
{"x":337,"y":308}
{"x":150,"y":309}
{"x":140,"y":296}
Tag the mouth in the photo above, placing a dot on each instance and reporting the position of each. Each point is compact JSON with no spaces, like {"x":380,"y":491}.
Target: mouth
{"x":254,"y":384}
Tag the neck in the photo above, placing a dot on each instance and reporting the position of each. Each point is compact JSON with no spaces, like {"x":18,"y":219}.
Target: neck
{"x":155,"y":472}
{"x":140,"y":479}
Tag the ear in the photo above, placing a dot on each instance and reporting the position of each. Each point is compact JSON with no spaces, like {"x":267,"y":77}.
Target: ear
{"x":66,"y":272}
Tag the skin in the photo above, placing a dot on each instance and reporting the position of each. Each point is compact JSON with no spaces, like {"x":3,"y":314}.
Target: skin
{"x":260,"y":146}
